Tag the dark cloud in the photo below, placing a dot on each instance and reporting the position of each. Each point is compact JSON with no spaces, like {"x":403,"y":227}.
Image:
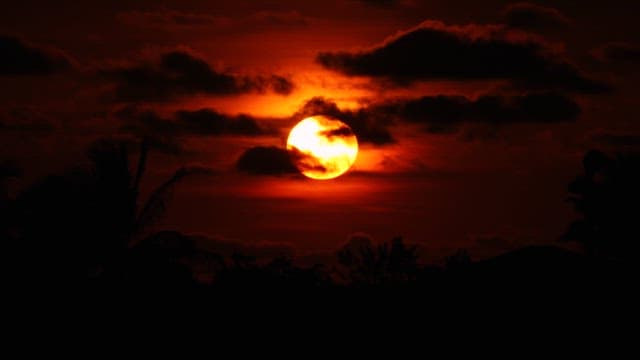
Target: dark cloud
{"x":443,"y":114}
{"x":618,"y":52}
{"x":159,"y":144}
{"x":369,"y":127}
{"x":306,"y":162}
{"x":168,"y":18}
{"x":434,"y":50}
{"x":25,"y":121}
{"x":21,"y":58}
{"x":380,"y":3}
{"x":203,"y":122}
{"x":534,"y":17}
{"x":167,"y":134}
{"x":278,"y":18}
{"x":179,"y":73}
{"x":278,"y":84}
{"x":210,"y":122}
{"x":266,"y":160}
{"x":343,"y":131}
{"x":618,"y":139}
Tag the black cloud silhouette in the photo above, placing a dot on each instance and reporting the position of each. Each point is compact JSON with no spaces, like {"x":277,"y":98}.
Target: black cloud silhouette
{"x":166,"y":17}
{"x":20,"y":58}
{"x":306,"y":161}
{"x":179,"y":73}
{"x":174,"y":19}
{"x":369,"y":127}
{"x":287,"y":19}
{"x":266,"y":160}
{"x":203,"y":122}
{"x":534,"y":17}
{"x":618,"y":52}
{"x":618,"y":139}
{"x":434,"y":50}
{"x":25,"y":120}
{"x":210,"y":122}
{"x":343,"y":131}
{"x":380,"y":3}
{"x":445,"y":113}
{"x":160,"y":144}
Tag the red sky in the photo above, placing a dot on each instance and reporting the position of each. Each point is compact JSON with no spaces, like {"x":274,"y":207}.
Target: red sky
{"x":472,"y":116}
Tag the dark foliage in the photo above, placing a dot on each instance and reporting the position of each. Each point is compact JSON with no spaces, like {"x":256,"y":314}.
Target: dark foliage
{"x":78,"y":224}
{"x":88,"y":227}
{"x":385,"y":264}
{"x":607,"y":196}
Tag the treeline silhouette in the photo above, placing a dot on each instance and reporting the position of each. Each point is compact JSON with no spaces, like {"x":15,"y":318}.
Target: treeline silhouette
{"x":89,"y":228}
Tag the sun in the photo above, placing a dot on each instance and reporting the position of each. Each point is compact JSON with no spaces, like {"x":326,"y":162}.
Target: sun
{"x":322,"y":147}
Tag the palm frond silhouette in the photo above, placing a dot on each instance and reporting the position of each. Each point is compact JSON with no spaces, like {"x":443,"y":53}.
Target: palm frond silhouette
{"x":87,"y":218}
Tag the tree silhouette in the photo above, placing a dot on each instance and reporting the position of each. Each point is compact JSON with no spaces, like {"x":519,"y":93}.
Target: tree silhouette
{"x":459,"y":260}
{"x":86,"y":218}
{"x":364,"y":263}
{"x":607,"y":196}
{"x":118,"y":185}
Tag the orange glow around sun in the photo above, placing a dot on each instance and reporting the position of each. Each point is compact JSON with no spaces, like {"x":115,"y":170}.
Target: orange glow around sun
{"x":322,"y":148}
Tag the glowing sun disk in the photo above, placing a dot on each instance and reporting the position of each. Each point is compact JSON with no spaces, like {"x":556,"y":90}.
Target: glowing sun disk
{"x":322,"y":148}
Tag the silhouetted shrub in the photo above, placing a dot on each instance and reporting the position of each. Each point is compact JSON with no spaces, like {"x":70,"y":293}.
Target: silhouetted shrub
{"x":363,"y":263}
{"x":607,"y":196}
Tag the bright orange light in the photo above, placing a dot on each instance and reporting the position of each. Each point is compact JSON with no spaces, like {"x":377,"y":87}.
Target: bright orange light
{"x":322,"y":148}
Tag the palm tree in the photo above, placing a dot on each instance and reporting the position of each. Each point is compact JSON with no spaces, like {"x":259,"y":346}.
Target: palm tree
{"x":119,"y":189}
{"x":87,"y":219}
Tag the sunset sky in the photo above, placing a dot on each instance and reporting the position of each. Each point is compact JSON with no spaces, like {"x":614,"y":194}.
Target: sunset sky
{"x":471,"y":116}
